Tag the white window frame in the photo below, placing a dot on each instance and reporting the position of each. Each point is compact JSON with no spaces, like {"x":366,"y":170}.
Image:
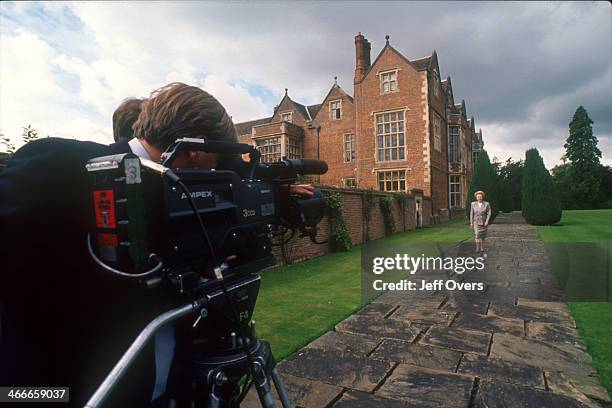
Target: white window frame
{"x":437,"y":131}
{"x":349,"y":139}
{"x":338,"y":109}
{"x":346,"y":184}
{"x":270,"y":152}
{"x":388,"y":182}
{"x":456,"y":145}
{"x":387,"y":137}
{"x":293,"y":148}
{"x":290,"y":115}
{"x":455,"y":194}
{"x":389,"y":77}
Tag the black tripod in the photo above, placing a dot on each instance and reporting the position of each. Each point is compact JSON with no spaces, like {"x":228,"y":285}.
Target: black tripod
{"x":211,"y":358}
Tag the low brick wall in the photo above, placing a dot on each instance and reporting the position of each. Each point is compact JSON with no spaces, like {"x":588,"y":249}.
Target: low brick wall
{"x":360,"y":230}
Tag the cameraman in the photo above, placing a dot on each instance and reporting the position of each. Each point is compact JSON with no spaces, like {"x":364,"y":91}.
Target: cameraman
{"x":63,"y":321}
{"x":124,"y":118}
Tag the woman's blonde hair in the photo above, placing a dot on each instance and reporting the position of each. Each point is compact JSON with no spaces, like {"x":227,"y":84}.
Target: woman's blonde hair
{"x":479,"y":192}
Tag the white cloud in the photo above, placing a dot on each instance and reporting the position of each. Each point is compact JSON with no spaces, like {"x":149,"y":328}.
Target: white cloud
{"x":236,"y":99}
{"x":66,"y":66}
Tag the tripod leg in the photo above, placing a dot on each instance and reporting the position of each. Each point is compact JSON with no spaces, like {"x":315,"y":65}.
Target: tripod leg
{"x":280,"y":388}
{"x":264,"y":390}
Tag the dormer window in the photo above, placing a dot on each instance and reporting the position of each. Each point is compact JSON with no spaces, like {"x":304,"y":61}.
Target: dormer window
{"x":287,"y":117}
{"x":335,"y":109}
{"x":388,"y":81}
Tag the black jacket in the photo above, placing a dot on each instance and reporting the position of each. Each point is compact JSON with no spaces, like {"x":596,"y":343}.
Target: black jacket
{"x":63,"y":321}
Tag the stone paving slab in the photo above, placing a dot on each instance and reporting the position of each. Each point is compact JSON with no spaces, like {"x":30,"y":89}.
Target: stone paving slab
{"x":548,"y":356}
{"x":359,"y":399}
{"x":512,"y":345}
{"x":490,"y":324}
{"x":553,"y":333}
{"x":332,"y":367}
{"x":501,"y":370}
{"x":381,"y":328}
{"x":418,"y":354}
{"x":503,"y":395}
{"x":359,"y":345}
{"x":427,"y":388}
{"x":458,"y":339}
{"x":424,"y":316}
{"x":302,"y":393}
{"x":576,"y":386}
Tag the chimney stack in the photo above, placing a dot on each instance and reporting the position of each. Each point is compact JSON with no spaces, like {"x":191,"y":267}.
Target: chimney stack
{"x":362,"y":56}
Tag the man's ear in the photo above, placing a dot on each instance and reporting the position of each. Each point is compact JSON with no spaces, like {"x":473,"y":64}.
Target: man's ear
{"x":192,"y":155}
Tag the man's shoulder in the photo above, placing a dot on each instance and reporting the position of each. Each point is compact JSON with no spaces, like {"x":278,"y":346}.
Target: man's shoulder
{"x":55,"y":146}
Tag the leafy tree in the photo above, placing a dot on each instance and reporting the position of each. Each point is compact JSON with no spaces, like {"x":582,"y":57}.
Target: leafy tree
{"x":484,"y":178}
{"x":582,"y":153}
{"x":605,"y":188}
{"x":5,"y":141}
{"x":510,"y":175}
{"x":540,"y":203}
{"x":562,"y":180}
{"x":29,"y":134}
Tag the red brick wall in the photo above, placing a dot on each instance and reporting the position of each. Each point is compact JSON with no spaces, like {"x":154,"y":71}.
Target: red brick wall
{"x":331,"y":138}
{"x":368,"y":99}
{"x":354,"y":217}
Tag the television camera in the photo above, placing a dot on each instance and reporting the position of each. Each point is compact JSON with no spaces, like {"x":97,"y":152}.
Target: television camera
{"x":200,"y":236}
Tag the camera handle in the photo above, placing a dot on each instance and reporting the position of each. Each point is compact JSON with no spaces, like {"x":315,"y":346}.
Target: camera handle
{"x":210,"y":146}
{"x":134,"y":350}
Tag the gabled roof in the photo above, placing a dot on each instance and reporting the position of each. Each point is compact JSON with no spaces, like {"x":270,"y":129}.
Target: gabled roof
{"x":420,"y":64}
{"x":245,"y":127}
{"x":314,"y":109}
{"x":335,"y":86}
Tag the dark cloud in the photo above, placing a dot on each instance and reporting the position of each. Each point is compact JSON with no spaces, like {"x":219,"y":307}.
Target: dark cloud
{"x":519,"y":65}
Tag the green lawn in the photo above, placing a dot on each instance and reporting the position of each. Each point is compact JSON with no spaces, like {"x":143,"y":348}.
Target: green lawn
{"x":594,"y":319}
{"x":300,"y":302}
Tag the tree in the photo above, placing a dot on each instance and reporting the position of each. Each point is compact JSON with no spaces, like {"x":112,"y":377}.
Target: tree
{"x":562,"y":180}
{"x":540,"y":203}
{"x":6,"y":142}
{"x":29,"y":134}
{"x":582,"y":153}
{"x":484,"y":178}
{"x":510,"y":185}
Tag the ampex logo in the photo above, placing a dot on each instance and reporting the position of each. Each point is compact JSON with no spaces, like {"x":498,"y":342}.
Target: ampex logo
{"x":198,"y":194}
{"x":248,"y":213}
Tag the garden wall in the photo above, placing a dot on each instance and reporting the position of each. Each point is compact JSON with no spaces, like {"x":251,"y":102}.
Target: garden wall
{"x":358,"y":226}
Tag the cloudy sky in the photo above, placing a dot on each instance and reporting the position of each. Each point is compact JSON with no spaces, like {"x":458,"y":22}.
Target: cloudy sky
{"x":522,"y":68}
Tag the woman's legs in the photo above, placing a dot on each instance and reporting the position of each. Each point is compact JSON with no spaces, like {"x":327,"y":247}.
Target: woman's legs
{"x":482,"y":245}
{"x":478,"y":244}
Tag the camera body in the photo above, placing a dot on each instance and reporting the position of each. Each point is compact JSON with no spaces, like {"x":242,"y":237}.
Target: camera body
{"x":144,"y":211}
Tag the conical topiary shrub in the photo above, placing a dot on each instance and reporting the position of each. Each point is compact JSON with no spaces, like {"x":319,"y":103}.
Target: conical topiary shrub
{"x":484,"y":178}
{"x":540,"y":202}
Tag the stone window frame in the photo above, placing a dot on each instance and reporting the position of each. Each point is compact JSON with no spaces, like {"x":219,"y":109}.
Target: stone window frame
{"x":404,"y":111}
{"x":455,"y":195}
{"x":290,"y":113}
{"x":351,"y":184}
{"x":338,"y":109}
{"x":437,"y":136}
{"x":386,"y":180}
{"x":352,"y":150}
{"x":454,"y":147}
{"x":382,"y":81}
{"x":436,"y":83}
{"x":293,"y":148}
{"x":269,"y":150}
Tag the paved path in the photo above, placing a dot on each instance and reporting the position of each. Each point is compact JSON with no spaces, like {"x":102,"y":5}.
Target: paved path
{"x":515,"y":345}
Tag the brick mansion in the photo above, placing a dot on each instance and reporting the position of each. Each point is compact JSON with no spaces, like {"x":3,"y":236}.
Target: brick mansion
{"x":401,"y":130}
